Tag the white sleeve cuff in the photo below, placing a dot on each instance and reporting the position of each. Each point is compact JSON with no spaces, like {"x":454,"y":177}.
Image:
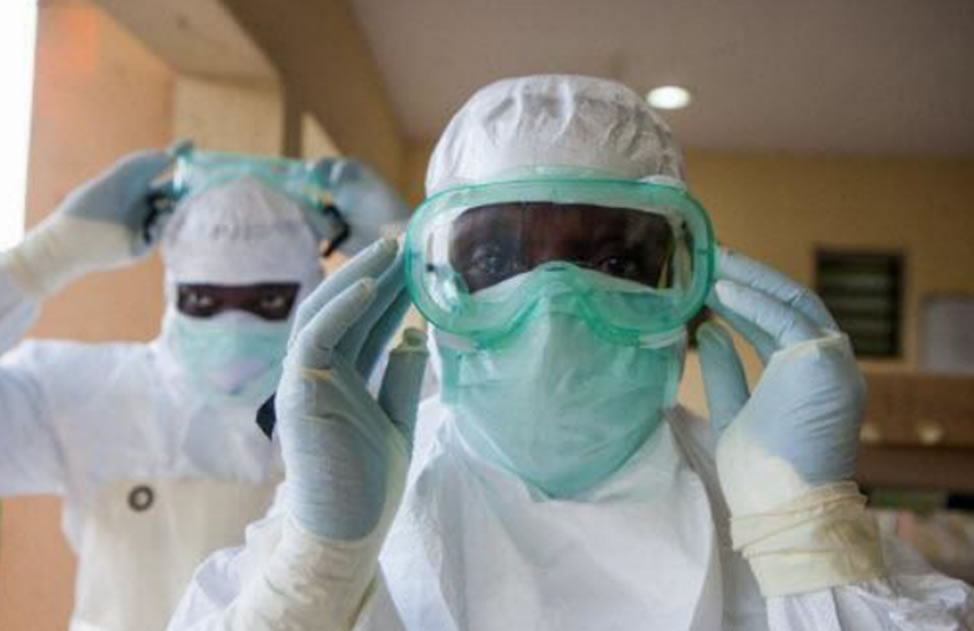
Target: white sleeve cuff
{"x":823,"y":539}
{"x":310,"y":583}
{"x":18,"y":308}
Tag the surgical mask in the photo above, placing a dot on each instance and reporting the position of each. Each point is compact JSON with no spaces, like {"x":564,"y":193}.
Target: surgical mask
{"x":232,"y":359}
{"x":557,"y":403}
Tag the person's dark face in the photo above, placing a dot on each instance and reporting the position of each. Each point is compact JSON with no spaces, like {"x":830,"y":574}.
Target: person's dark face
{"x":270,"y":301}
{"x":490,"y":244}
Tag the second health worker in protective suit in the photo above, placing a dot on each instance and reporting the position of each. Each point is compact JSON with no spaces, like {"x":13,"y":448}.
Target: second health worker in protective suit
{"x":554,"y":484}
{"x":153,"y":446}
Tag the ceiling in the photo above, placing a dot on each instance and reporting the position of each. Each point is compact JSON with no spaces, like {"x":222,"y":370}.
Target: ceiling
{"x":848,"y":76}
{"x":196,"y":37}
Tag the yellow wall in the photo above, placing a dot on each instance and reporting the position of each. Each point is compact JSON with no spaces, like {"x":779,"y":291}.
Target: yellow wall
{"x":328,"y":70}
{"x":315,"y":141}
{"x":237,"y":116}
{"x":241,"y":117}
{"x":98,"y":94}
{"x":779,"y":208}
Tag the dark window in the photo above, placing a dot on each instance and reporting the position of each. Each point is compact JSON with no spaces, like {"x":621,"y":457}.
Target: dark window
{"x":863,"y":290}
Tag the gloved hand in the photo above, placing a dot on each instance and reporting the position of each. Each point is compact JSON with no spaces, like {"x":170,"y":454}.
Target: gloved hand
{"x":786,"y":452}
{"x":370,"y":207}
{"x":100,"y":225}
{"x":345,"y":451}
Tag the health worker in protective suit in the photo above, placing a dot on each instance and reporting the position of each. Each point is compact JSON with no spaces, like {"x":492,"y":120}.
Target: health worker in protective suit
{"x":554,"y":484}
{"x":153,"y":447}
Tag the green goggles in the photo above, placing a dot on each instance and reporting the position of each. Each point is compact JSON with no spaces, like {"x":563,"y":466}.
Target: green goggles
{"x":634,"y":258}
{"x":199,"y":171}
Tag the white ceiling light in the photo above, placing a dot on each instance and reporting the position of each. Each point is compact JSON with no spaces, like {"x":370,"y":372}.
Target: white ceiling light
{"x":669,"y":97}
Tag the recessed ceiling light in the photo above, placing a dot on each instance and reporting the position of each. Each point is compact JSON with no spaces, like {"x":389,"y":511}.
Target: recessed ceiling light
{"x":669,"y":97}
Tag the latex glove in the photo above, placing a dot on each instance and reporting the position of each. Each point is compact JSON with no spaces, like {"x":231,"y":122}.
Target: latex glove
{"x":370,"y":207}
{"x":100,"y":225}
{"x":345,"y":451}
{"x":786,"y":452}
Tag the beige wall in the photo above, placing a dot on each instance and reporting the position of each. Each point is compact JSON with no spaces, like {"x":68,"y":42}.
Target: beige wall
{"x":328,"y":70}
{"x":98,"y":94}
{"x":315,"y":141}
{"x":237,"y":116}
{"x":241,"y":117}
{"x":779,"y":208}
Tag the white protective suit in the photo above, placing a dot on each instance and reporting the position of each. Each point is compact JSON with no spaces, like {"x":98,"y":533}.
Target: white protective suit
{"x":153,"y":475}
{"x":473,"y":547}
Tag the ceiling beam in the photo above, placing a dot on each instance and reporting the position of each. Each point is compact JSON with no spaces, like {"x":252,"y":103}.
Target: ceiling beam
{"x":326,"y":65}
{"x":195,"y":37}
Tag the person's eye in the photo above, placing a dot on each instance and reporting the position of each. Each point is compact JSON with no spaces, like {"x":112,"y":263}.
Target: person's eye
{"x":620,"y":266}
{"x":491,"y":261}
{"x":273,"y":302}
{"x":197,"y":300}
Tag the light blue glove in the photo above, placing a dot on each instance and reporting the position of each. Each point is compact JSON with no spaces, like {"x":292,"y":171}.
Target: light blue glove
{"x":786,"y":453}
{"x":799,"y":428}
{"x":345,"y":451}
{"x":105,"y":223}
{"x":370,"y":207}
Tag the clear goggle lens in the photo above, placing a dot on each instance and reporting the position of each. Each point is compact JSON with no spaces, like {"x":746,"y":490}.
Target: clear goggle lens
{"x":199,"y":171}
{"x":634,"y":258}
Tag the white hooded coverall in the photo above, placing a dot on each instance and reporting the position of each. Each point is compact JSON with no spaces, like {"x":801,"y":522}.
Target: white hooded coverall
{"x":154,"y":475}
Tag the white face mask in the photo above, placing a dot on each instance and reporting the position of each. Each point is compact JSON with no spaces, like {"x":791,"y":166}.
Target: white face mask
{"x":232,"y":359}
{"x":557,"y":405}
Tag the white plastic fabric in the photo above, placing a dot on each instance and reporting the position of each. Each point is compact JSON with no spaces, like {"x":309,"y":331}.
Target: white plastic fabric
{"x":556,"y":121}
{"x":473,"y":548}
{"x":240,"y":233}
{"x":135,"y":564}
{"x":65,"y":248}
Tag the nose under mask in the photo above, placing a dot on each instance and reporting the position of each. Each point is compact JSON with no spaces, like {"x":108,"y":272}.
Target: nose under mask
{"x":556,"y":404}
{"x":231,"y":359}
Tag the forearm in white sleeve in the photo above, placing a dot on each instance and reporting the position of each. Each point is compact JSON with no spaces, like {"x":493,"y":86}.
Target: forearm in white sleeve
{"x":287,"y":579}
{"x":18,"y":309}
{"x":30,"y":460}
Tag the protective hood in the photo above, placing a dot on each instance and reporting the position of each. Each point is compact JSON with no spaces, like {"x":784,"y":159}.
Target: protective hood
{"x":553,"y":122}
{"x":554,"y":401}
{"x":240,"y":233}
